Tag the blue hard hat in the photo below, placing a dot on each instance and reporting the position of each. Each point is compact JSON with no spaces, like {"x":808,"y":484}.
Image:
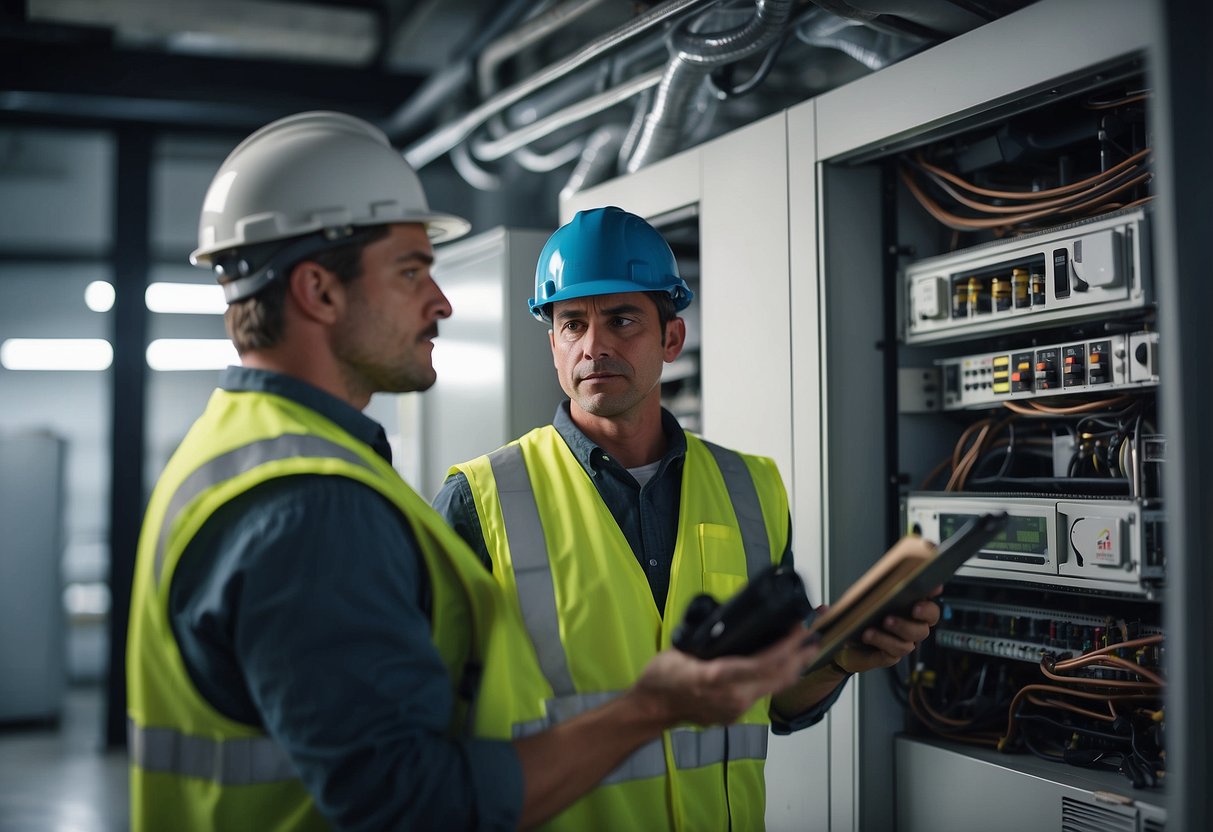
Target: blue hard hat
{"x":605,"y":251}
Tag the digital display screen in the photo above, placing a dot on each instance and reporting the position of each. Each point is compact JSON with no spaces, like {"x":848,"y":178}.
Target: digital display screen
{"x":1022,"y":536}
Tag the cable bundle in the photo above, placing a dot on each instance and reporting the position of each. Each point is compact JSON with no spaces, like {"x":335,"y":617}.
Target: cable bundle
{"x":1115,"y":722}
{"x":1001,"y":210}
{"x":1096,"y":710}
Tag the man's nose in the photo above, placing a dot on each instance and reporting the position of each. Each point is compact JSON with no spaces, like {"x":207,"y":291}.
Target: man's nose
{"x":596,"y":342}
{"x":442,"y":307}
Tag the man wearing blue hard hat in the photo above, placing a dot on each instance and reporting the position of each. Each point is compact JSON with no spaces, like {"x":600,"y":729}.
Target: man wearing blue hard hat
{"x":310,"y":645}
{"x":603,"y":526}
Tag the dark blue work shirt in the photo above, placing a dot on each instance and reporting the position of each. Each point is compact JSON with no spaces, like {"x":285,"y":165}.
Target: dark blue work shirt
{"x":302,"y":606}
{"x":647,"y":514}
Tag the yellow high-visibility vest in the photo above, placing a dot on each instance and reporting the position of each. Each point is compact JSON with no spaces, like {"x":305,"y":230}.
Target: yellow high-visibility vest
{"x":570,"y":575}
{"x":194,"y":768}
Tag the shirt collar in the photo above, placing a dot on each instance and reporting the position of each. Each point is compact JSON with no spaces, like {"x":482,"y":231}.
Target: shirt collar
{"x":344,"y":415}
{"x":592,"y":457}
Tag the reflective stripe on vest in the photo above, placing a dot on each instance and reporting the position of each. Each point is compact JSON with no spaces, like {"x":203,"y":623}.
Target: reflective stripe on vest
{"x":239,"y":460}
{"x":533,"y":570}
{"x":239,"y":761}
{"x":743,"y":494}
{"x":695,"y":749}
{"x":244,"y":761}
{"x":692,"y":748}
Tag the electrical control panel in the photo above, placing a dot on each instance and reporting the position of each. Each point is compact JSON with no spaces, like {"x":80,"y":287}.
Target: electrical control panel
{"x":1078,"y":271}
{"x":1026,"y":633}
{"x":1087,"y":545}
{"x":1101,"y":364}
{"x":1027,"y":375}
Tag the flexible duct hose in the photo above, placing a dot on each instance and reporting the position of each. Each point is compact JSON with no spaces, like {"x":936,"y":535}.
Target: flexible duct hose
{"x":693,"y":56}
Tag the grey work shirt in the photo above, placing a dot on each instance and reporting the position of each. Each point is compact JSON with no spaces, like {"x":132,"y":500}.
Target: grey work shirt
{"x":302,"y":606}
{"x":647,"y":515}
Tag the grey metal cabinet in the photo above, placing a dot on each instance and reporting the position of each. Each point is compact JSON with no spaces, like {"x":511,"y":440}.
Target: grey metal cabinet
{"x":32,"y":650}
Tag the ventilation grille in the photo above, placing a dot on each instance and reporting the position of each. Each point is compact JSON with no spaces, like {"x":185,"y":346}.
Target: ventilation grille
{"x":1079,"y":816}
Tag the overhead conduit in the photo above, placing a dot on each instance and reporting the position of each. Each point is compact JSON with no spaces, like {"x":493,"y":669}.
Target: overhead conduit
{"x":667,"y":99}
{"x":693,"y":56}
{"x":446,"y":137}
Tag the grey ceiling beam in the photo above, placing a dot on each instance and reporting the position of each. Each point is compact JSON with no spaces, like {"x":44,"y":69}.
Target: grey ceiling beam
{"x":93,"y":81}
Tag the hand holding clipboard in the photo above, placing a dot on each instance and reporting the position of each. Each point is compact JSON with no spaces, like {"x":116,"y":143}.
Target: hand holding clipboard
{"x":895,"y":583}
{"x":774,"y":601}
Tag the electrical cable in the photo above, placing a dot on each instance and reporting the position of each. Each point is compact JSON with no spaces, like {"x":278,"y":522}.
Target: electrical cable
{"x":996,"y":223}
{"x":717,"y":76}
{"x":1004,"y":742}
{"x":1034,"y":408}
{"x":1059,"y":205}
{"x":1067,"y":706}
{"x":1103,"y":735}
{"x":916,"y":703}
{"x":1044,"y":193}
{"x":1131,"y":98}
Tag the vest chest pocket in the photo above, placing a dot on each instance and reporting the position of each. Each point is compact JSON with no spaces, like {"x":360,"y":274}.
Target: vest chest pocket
{"x":723,"y":557}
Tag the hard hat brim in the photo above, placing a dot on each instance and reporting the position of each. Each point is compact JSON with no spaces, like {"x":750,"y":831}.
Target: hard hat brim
{"x":679,"y":293}
{"x":441,"y":228}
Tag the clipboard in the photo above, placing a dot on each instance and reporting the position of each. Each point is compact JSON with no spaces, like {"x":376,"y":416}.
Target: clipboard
{"x":895,"y":583}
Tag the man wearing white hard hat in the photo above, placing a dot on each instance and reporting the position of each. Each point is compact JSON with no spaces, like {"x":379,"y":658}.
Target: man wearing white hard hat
{"x":310,"y":645}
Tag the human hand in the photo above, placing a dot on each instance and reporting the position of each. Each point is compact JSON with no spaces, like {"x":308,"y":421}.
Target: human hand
{"x":676,"y":687}
{"x":895,"y":639}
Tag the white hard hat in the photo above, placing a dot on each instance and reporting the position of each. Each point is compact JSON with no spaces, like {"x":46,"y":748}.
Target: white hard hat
{"x":312,"y":172}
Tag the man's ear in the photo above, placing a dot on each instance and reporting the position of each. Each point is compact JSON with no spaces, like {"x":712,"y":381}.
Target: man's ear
{"x":675,"y":339}
{"x":316,"y":291}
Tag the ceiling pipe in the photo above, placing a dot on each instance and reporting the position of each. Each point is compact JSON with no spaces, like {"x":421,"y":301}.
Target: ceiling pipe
{"x":528,"y":34}
{"x":509,"y":45}
{"x":693,"y":56}
{"x":441,"y":86}
{"x":492,"y":149}
{"x":597,"y":162}
{"x":444,"y":138}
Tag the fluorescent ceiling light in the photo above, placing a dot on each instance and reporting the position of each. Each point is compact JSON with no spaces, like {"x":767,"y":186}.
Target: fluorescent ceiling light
{"x":191,"y":354}
{"x":99,"y":296}
{"x":56,"y":354}
{"x":320,"y":31}
{"x":186,"y":298}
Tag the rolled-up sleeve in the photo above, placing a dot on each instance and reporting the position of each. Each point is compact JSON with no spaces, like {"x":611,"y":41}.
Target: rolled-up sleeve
{"x":319,"y":593}
{"x":814,"y":715}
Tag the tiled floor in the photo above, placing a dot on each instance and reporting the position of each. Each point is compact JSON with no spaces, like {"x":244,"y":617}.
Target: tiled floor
{"x":60,"y":778}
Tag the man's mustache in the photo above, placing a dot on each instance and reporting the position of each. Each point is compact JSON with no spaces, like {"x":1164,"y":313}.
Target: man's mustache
{"x":604,"y":366}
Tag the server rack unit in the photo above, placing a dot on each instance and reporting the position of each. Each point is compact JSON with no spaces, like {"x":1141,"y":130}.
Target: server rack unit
{"x":1006,"y":349}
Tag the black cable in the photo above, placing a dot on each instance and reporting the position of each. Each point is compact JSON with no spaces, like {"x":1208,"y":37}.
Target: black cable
{"x":1054,"y":758}
{"x":1133,"y":743}
{"x":1006,"y":463}
{"x":1077,"y":729}
{"x":718,"y":75}
{"x":899,"y":688}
